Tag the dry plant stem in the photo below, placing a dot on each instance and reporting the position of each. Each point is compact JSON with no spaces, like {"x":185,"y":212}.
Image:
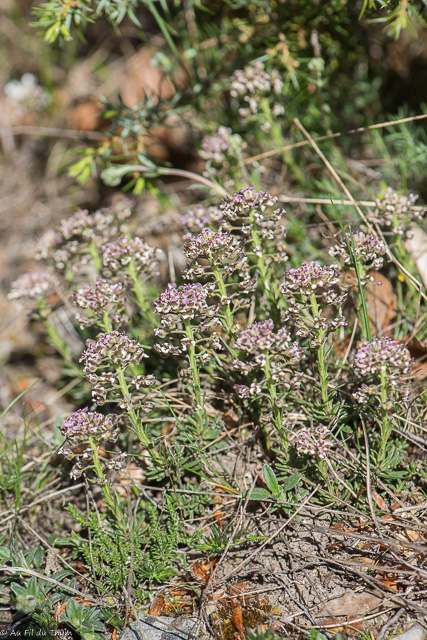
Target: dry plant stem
{"x":182,"y":173}
{"x":30,"y":572}
{"x":401,"y":542}
{"x":331,"y":169}
{"x":340,"y":480}
{"x":331,"y":136}
{"x":48,"y":546}
{"x":392,"y":595}
{"x":389,"y":623}
{"x":229,"y":543}
{"x":354,"y":621}
{"x":26,"y":507}
{"x":129,"y":604}
{"x":52,"y":132}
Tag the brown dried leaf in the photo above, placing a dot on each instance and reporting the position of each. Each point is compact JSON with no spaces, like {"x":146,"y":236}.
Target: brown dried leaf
{"x":237,"y":589}
{"x":379,"y":501}
{"x":132,"y":473}
{"x":200,"y":569}
{"x":418,"y":351}
{"x":237,"y":619}
{"x":85,"y":115}
{"x":381,"y":301}
{"x":157,"y":606}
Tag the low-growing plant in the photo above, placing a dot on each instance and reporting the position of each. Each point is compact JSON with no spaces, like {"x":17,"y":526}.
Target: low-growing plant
{"x":143,"y":555}
{"x":264,"y":339}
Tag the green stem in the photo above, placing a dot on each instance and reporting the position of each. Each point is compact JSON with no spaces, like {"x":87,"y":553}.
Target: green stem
{"x":263,"y":271}
{"x":136,"y":423}
{"x":93,"y":250}
{"x":223,"y":291}
{"x":199,"y":409}
{"x":384,"y":423}
{"x":106,"y":322}
{"x":62,"y":348}
{"x":321,"y":357}
{"x":110,"y":500}
{"x":140,"y":294}
{"x":277,"y":414}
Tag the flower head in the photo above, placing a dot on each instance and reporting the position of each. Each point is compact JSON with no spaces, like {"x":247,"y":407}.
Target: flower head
{"x":83,"y":424}
{"x":260,"y":338}
{"x":215,"y":246}
{"x":309,"y":278}
{"x":187,"y":300}
{"x":74,"y":235}
{"x":396,"y":211}
{"x":389,"y":360}
{"x":116,"y":255}
{"x":383,"y":354}
{"x":368,"y":249}
{"x":112,"y":348}
{"x":313,"y":442}
{"x":98,"y":298}
{"x":222,"y":151}
{"x":252,"y":84}
{"x":31,"y":285}
{"x":241,"y":203}
{"x":314,"y":303}
{"x":80,"y":429}
{"x":198,"y":218}
{"x":265,"y":347}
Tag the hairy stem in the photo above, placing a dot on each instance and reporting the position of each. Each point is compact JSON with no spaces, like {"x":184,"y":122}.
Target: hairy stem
{"x":199,"y":409}
{"x":321,"y":357}
{"x":110,"y":500}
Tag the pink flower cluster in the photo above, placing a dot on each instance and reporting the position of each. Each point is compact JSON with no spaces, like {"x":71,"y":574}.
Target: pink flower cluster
{"x":368,"y":249}
{"x":187,"y":301}
{"x":383,"y":354}
{"x":313,"y":442}
{"x":116,"y":255}
{"x":216,"y":246}
{"x":97,"y":298}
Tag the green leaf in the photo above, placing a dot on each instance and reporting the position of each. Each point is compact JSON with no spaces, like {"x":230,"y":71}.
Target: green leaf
{"x":291,"y":482}
{"x":74,"y":612}
{"x":5,"y":554}
{"x":260,"y":494}
{"x":18,"y":590}
{"x":270,"y":479}
{"x":113,"y":175}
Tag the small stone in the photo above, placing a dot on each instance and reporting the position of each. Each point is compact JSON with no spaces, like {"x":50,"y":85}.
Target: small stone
{"x":414,"y":633}
{"x":164,"y":628}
